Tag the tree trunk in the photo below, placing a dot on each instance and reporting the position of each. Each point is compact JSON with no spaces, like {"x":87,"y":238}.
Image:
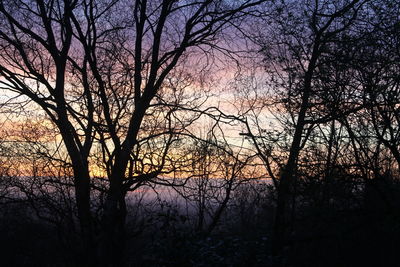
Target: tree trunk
{"x":82,"y":196}
{"x":111,"y":245}
{"x":284,"y":210}
{"x":285,"y":194}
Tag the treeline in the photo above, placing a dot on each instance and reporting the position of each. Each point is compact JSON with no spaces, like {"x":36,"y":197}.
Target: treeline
{"x":274,"y":123}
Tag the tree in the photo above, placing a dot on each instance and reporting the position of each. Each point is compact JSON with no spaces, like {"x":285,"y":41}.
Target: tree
{"x":101,"y":77}
{"x":299,"y":51}
{"x":218,"y":169}
{"x":373,"y":130}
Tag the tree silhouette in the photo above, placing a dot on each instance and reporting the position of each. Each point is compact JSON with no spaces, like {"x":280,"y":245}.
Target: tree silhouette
{"x":102,"y":76}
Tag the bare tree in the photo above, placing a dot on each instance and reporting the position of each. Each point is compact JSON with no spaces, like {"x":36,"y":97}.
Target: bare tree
{"x":218,"y":167}
{"x":100,"y":76}
{"x":298,"y":49}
